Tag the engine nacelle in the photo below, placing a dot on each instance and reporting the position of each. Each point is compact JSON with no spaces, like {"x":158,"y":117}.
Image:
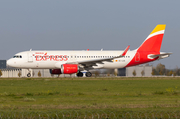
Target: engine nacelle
{"x":69,"y":68}
{"x":55,"y":71}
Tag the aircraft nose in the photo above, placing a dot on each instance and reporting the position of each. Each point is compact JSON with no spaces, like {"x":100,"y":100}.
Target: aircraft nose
{"x":9,"y":63}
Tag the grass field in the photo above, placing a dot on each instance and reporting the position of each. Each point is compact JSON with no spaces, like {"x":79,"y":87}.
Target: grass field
{"x":90,"y":94}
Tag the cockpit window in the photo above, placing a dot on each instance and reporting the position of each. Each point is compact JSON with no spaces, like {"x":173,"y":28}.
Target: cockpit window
{"x":17,"y":56}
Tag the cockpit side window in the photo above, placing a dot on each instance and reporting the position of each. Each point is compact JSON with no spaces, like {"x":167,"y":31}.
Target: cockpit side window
{"x":17,"y":56}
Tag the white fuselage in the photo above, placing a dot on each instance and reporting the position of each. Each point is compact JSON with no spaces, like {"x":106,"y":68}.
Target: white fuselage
{"x":54,"y":59}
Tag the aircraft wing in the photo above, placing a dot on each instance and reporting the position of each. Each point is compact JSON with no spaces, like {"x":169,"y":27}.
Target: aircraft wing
{"x":161,"y":55}
{"x":90,"y":63}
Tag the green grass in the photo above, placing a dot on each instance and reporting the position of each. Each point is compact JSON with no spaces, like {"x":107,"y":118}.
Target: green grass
{"x":90,"y":94}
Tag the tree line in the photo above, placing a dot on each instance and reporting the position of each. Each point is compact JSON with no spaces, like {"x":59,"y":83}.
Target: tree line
{"x":160,"y":69}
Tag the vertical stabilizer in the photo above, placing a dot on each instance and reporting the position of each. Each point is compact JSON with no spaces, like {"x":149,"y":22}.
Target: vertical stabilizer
{"x":154,"y":40}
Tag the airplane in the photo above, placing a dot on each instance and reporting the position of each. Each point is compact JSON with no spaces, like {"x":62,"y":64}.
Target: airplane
{"x":69,"y":62}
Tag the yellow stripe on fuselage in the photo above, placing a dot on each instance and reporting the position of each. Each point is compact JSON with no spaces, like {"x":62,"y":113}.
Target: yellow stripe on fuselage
{"x":159,"y":27}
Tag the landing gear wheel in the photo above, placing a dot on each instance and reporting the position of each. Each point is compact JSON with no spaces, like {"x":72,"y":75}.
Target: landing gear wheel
{"x":79,"y":74}
{"x":88,"y":74}
{"x":28,"y":75}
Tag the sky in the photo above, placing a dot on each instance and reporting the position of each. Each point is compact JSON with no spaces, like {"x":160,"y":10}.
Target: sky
{"x":92,"y":24}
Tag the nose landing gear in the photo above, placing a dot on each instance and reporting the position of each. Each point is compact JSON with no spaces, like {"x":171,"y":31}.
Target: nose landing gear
{"x":29,"y":75}
{"x":29,"y":72}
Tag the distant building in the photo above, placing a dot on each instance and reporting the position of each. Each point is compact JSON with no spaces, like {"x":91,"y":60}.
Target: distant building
{"x":122,"y":72}
{"x":138,"y":69}
{"x":2,"y":64}
{"x":12,"y":72}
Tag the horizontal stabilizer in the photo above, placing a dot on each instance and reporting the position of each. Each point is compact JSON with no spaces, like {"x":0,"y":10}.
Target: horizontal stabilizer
{"x":161,"y":55}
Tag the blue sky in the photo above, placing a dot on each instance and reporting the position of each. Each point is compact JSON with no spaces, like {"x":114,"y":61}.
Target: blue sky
{"x":93,"y":24}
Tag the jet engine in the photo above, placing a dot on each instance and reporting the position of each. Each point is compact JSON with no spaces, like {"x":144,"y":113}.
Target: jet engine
{"x":69,"y":68}
{"x":55,"y":71}
{"x":66,"y":69}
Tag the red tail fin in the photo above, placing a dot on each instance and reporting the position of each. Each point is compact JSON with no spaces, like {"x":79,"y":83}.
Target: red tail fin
{"x":154,"y":40}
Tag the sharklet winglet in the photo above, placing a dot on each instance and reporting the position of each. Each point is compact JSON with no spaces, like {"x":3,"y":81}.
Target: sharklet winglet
{"x":125,"y":51}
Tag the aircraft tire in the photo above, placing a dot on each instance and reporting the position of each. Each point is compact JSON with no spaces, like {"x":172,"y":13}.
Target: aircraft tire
{"x":79,"y":74}
{"x":88,"y":74}
{"x":28,"y":75}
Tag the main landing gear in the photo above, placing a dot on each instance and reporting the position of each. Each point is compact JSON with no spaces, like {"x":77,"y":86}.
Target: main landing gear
{"x":88,"y":74}
{"x":80,"y":74}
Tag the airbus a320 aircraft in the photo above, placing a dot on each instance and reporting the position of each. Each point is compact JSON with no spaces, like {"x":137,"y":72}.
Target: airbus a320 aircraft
{"x":69,"y":62}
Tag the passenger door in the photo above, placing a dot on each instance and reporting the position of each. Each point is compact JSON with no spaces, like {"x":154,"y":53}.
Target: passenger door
{"x":30,"y":57}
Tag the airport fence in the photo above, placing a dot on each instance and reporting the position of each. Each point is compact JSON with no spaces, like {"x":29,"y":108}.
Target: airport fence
{"x":90,"y":115}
